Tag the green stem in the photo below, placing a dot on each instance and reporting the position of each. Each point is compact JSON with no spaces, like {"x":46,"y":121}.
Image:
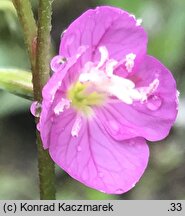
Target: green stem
{"x":42,"y":70}
{"x":39,"y":58}
{"x":28,"y":24}
{"x":46,"y":172}
{"x":40,"y":77}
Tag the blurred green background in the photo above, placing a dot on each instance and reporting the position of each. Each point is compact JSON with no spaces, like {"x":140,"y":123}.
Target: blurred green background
{"x":164,"y":20}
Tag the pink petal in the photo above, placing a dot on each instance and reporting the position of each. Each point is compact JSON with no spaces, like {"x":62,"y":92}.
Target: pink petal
{"x":53,"y":92}
{"x":94,"y":158}
{"x":152,"y":119}
{"x":105,"y":26}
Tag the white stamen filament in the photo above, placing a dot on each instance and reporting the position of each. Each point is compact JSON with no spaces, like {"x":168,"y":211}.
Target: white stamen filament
{"x":129,"y":64}
{"x":110,"y":67}
{"x":104,"y":56}
{"x":153,"y":86}
{"x":105,"y":81}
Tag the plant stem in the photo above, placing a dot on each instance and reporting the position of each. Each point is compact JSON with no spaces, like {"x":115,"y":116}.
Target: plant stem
{"x":39,"y":58}
{"x":42,"y":70}
{"x":40,"y":77}
{"x":28,"y":24}
{"x":46,"y":172}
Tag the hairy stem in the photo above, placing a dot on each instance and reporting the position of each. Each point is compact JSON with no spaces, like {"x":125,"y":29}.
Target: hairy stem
{"x":38,"y":48}
{"x":40,"y":77}
{"x":42,"y":70}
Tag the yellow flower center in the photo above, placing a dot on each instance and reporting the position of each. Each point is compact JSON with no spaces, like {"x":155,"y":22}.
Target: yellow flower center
{"x":83,"y":97}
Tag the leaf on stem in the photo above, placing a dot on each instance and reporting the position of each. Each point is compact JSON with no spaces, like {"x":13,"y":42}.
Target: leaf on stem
{"x":18,"y":82}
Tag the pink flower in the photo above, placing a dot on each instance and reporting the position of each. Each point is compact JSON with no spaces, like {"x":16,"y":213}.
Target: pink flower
{"x":105,"y":98}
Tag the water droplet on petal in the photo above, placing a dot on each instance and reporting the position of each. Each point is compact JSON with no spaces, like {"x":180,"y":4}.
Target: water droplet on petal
{"x":58,"y":63}
{"x":35,"y":109}
{"x":79,"y":148}
{"x":100,"y":174}
{"x":119,"y":191}
{"x":153,"y":102}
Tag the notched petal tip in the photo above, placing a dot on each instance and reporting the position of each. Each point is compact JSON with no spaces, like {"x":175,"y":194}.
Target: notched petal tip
{"x":119,"y":33}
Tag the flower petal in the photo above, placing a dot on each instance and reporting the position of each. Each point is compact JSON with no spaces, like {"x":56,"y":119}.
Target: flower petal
{"x":151,"y":119}
{"x":55,"y":89}
{"x":118,"y":32}
{"x":94,"y":158}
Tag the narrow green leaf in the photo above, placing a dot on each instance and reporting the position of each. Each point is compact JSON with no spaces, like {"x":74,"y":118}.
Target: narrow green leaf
{"x":7,"y":6}
{"x":18,"y":82}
